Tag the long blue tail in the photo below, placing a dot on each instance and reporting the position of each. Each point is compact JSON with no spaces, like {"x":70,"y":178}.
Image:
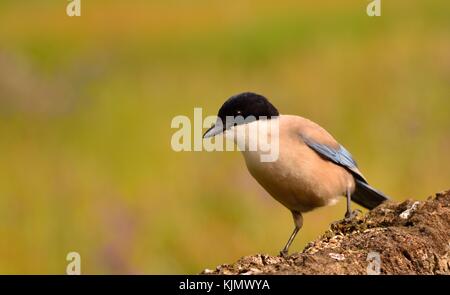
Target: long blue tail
{"x":367,"y":196}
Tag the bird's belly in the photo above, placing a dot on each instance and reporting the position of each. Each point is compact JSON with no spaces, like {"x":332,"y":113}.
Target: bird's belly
{"x":301,"y":185}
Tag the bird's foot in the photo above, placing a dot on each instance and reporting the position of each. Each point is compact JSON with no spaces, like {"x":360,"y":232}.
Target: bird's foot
{"x":284,"y":253}
{"x":349,"y":215}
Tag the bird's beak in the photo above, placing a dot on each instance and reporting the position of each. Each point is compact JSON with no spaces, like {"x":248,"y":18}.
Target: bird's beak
{"x":213,"y":131}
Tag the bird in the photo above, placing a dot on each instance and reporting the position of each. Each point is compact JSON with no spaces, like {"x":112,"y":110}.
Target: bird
{"x":312,"y":169}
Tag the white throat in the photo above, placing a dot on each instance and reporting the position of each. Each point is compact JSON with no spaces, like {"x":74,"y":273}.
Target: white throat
{"x":260,"y":137}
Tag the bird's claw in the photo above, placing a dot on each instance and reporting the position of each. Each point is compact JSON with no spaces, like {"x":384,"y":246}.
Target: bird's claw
{"x":350,"y":215}
{"x":284,"y":253}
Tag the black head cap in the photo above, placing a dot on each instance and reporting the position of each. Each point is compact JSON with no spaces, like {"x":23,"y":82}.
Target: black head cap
{"x":247,"y":104}
{"x":242,"y":108}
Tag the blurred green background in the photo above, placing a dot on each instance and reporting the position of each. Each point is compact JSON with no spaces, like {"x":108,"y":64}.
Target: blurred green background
{"x":86,"y":105}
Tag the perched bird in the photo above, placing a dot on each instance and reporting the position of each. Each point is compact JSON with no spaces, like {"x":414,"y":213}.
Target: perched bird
{"x":312,"y":169}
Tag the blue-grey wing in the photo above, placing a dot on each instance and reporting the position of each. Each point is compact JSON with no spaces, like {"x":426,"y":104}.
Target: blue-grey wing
{"x":340,"y":156}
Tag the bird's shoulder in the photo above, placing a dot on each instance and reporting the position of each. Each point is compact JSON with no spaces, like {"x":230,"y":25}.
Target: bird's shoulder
{"x":307,"y":129}
{"x":319,"y":140}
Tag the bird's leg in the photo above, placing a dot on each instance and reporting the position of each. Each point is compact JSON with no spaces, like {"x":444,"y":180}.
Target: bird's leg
{"x":298,"y":222}
{"x":349,"y":214}
{"x":284,"y":252}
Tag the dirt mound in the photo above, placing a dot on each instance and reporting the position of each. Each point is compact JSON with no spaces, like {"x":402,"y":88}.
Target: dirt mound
{"x":411,"y":237}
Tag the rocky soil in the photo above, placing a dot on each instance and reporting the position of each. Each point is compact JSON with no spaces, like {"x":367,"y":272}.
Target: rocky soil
{"x":410,"y":237}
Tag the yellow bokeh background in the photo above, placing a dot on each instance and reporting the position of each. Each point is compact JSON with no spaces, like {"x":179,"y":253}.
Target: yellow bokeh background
{"x":86,"y":105}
